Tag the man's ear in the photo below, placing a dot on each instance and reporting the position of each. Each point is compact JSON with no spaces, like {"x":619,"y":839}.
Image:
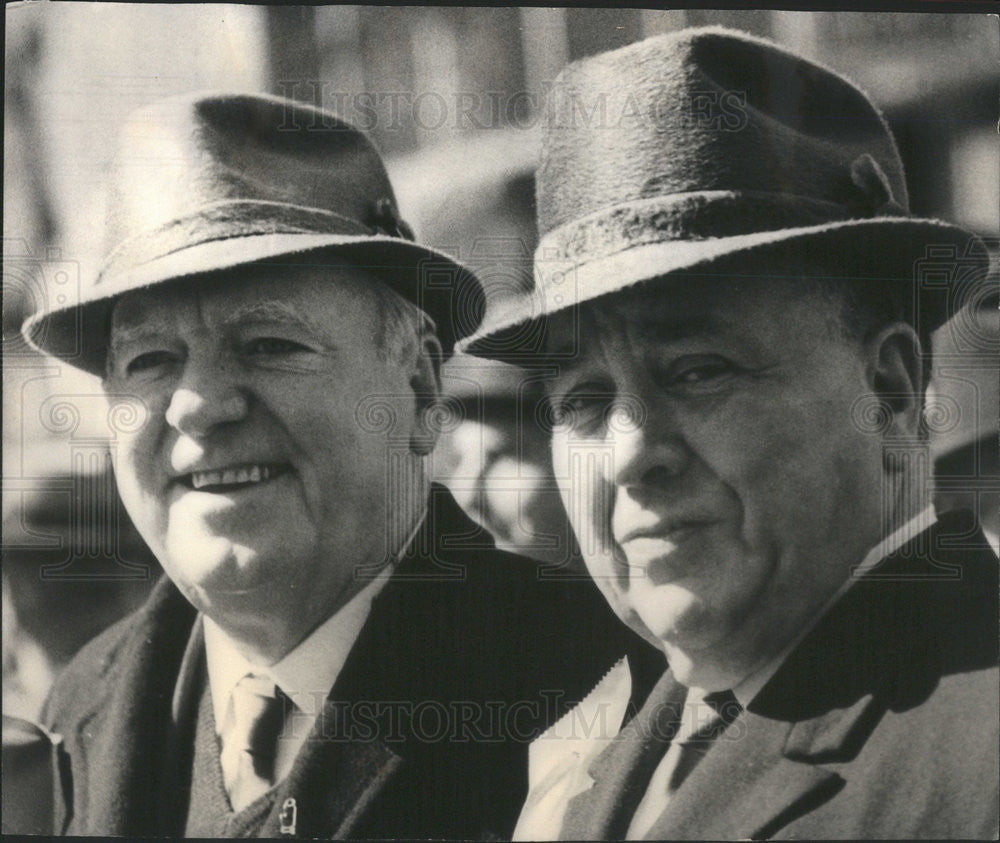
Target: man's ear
{"x":895,"y":376}
{"x":426,"y":385}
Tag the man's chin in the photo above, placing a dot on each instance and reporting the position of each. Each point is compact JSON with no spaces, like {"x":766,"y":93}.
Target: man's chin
{"x":673,"y":614}
{"x":224,"y":570}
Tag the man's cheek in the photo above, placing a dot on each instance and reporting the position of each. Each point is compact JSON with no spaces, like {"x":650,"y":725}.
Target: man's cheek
{"x":560,"y":470}
{"x":127,"y":466}
{"x":587,"y":494}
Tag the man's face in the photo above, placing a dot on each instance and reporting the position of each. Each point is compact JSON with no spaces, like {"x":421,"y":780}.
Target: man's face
{"x":254,"y":479}
{"x":707,"y":457}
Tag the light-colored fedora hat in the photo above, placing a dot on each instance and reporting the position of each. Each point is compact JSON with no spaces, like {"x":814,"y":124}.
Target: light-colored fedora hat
{"x":708,"y":152}
{"x":206,"y":182}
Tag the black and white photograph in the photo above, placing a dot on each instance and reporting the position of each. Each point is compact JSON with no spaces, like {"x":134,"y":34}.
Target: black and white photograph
{"x":481,"y":423}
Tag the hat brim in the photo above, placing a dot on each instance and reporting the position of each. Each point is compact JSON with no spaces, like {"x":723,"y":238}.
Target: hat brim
{"x":939,"y":260}
{"x":77,"y":332}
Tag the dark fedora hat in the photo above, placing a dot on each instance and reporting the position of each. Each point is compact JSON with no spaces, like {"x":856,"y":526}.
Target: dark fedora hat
{"x":206,"y":182}
{"x":709,"y":151}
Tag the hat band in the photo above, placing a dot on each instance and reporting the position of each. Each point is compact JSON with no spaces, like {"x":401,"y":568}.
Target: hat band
{"x":691,"y":216}
{"x":225,"y":220}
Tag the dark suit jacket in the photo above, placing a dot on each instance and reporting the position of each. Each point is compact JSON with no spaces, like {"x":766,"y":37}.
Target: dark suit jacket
{"x":882,"y":723}
{"x":466,"y":655}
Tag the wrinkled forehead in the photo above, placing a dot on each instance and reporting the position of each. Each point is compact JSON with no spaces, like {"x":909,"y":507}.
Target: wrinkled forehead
{"x":660,"y":308}
{"x":263,"y":294}
{"x":748,"y":309}
{"x":139,"y":309}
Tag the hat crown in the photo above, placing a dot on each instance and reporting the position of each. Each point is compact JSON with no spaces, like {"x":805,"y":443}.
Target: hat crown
{"x":204,"y":183}
{"x":709,"y":150}
{"x":711,"y":110}
{"x":182,"y":155}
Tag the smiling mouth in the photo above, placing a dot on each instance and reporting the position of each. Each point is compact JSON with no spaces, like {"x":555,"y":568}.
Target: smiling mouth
{"x":234,"y":477}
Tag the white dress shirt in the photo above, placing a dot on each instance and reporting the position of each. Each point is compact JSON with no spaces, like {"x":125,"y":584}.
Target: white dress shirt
{"x":559,"y":758}
{"x":306,"y":674}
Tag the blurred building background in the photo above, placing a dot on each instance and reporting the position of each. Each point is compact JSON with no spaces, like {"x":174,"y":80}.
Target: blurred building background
{"x":453,"y":97}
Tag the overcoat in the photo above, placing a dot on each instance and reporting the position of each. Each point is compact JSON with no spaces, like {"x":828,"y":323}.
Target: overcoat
{"x":884,"y":722}
{"x":467,"y":654}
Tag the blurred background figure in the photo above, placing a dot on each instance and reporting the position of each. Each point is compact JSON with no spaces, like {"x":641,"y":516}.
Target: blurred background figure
{"x":452,"y":96}
{"x":72,"y":565}
{"x":495,"y":458}
{"x":28,"y":776}
{"x":475,"y":198}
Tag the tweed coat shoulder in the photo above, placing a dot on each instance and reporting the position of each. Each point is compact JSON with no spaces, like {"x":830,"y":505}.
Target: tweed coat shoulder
{"x":467,"y":654}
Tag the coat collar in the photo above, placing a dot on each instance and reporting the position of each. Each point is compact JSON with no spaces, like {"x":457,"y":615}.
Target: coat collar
{"x":121,"y":741}
{"x":123,"y":733}
{"x":756,"y":755}
{"x":770,"y":772}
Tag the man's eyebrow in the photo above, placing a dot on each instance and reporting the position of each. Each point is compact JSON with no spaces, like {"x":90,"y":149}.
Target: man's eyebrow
{"x":132,"y":331}
{"x":674,"y":327}
{"x":278,"y":312}
{"x":663,"y":326}
{"x":562,"y":349}
{"x":270,"y":311}
{"x":566,"y":369}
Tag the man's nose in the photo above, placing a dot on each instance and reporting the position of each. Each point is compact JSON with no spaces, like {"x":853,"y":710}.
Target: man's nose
{"x":648,"y":448}
{"x":209,"y":395}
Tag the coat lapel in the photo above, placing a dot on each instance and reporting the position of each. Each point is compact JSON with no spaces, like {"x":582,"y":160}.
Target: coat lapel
{"x":121,"y":741}
{"x":621,"y":771}
{"x":759,"y":775}
{"x":346,"y":762}
{"x":334,"y":781}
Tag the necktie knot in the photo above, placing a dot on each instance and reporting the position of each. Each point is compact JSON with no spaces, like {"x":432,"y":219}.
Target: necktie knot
{"x":258,"y":716}
{"x":725,"y":709}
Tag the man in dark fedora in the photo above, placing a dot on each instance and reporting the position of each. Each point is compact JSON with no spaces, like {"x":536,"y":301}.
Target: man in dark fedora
{"x":734,"y":314}
{"x":327,"y":656}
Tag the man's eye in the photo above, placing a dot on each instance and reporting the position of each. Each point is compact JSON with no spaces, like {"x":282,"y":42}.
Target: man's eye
{"x":698,"y":372}
{"x":579,"y":406}
{"x":273,"y":346}
{"x":147,"y":361}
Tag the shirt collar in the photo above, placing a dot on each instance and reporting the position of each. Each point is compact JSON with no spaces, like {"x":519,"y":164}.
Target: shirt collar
{"x":754,"y":683}
{"x":305,"y":674}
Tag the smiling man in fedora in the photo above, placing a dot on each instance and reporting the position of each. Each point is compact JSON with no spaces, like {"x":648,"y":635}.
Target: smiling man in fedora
{"x":730,"y":306}
{"x":328,"y":655}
